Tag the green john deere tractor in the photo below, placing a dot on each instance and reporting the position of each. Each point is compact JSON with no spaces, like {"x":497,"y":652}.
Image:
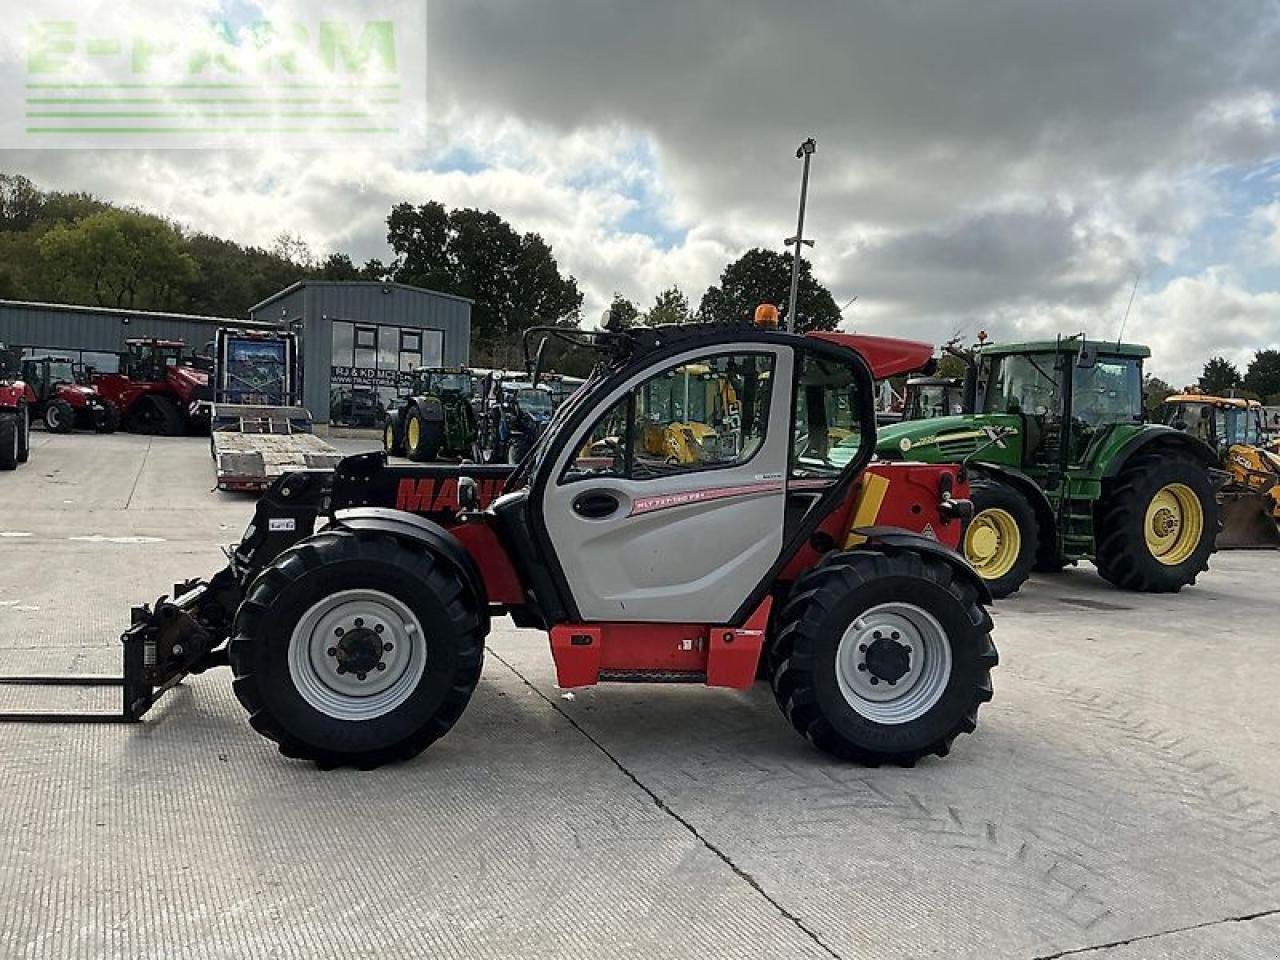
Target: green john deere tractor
{"x":1065,"y":468}
{"x":436,"y":419}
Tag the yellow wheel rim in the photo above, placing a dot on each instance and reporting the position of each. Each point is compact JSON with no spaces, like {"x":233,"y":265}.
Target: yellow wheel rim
{"x":415,"y":433}
{"x":1174,"y":524}
{"x":390,"y":439}
{"x":992,"y":543}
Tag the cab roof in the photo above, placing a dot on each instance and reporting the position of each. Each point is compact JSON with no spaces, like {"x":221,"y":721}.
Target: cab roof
{"x":1103,"y":348}
{"x":1239,"y":403}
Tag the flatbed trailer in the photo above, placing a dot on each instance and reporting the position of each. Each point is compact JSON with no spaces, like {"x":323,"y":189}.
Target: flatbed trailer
{"x":253,"y":446}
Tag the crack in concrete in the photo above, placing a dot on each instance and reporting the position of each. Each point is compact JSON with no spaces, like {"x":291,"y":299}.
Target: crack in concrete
{"x":666,"y":809}
{"x":142,"y":465}
{"x":1078,"y":951}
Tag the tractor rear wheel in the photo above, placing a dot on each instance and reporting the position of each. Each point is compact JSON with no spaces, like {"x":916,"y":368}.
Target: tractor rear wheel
{"x":1157,"y":524}
{"x":107,"y":420}
{"x":59,"y":417}
{"x":1001,"y":537}
{"x":156,"y":416}
{"x":9,"y":441}
{"x":356,"y":649}
{"x":421,"y":437}
{"x":24,"y":434}
{"x":883,"y":657}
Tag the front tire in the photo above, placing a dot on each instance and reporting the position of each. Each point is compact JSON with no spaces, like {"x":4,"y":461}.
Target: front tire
{"x":1157,"y":524}
{"x":902,"y":620}
{"x":391,"y":439}
{"x":59,"y":417}
{"x":1002,"y":536}
{"x":24,"y":434}
{"x":421,"y":437}
{"x":310,"y":635}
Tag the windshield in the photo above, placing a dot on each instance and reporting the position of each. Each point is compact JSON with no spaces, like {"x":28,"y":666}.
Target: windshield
{"x":61,"y":371}
{"x":449,"y":382}
{"x":534,"y":400}
{"x":1108,"y":392}
{"x":932,"y":400}
{"x":257,"y":367}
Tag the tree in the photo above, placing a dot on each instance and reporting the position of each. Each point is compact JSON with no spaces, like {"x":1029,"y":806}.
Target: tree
{"x":1154,"y":392}
{"x":1263,"y":375}
{"x":670,"y":306}
{"x":950,"y":365}
{"x":512,"y":278}
{"x":1219,"y":376}
{"x":119,"y":257}
{"x":764,"y":276}
{"x":623,"y":312}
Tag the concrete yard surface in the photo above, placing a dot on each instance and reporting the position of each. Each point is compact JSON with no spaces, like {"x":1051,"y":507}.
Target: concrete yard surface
{"x":1120,"y":799}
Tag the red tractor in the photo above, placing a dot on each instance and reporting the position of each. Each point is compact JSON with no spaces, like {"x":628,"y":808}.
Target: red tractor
{"x":56,"y":396}
{"x":15,"y":417}
{"x":157,"y":390}
{"x":355,"y":608}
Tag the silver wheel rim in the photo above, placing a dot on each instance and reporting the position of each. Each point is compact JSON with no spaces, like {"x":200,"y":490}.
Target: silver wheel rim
{"x":928,"y":671}
{"x":51,"y":418}
{"x":330,"y":658}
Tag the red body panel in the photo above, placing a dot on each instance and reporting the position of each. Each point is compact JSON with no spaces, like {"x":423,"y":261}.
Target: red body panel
{"x":181,"y":384}
{"x":501,"y":582}
{"x":12,"y":393}
{"x":718,"y":656}
{"x":886,"y":356}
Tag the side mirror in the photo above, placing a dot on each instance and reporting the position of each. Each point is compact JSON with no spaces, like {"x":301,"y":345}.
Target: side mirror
{"x":1087,"y":359}
{"x":468,"y":494}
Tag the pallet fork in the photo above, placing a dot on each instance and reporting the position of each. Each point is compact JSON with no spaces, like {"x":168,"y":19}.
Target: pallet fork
{"x":161,"y":647}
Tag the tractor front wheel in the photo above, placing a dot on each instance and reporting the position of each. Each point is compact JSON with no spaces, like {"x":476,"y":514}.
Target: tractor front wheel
{"x":1157,"y":524}
{"x":356,"y":649}
{"x":59,"y":417}
{"x":1001,"y":538}
{"x":883,"y":657}
{"x":421,"y":437}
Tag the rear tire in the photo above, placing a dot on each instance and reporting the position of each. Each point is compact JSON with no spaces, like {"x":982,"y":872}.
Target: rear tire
{"x":1000,"y":540}
{"x":822,"y":690}
{"x":1157,"y":524}
{"x":24,"y":434}
{"x":286,"y":672}
{"x":9,"y":441}
{"x":59,"y":417}
{"x":107,"y":420}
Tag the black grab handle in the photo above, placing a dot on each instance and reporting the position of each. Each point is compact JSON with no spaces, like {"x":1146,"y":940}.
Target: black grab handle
{"x":596,"y":505}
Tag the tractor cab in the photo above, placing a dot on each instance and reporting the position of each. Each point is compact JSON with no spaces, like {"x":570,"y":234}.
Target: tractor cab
{"x":45,"y":374}
{"x":930,"y":397}
{"x":149,"y":359}
{"x":1220,"y":422}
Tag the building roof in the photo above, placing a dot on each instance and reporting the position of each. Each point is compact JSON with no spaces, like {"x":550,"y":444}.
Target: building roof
{"x":293,"y":288}
{"x":119,"y":312}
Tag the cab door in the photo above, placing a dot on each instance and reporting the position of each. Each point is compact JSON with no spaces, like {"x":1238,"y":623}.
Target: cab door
{"x":644,"y":535}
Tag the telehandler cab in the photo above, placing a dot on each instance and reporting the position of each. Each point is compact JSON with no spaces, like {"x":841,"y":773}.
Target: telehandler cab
{"x":354,"y":610}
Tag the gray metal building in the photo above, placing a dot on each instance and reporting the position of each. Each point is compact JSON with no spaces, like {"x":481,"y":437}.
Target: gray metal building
{"x":360,"y":340}
{"x":95,"y":335}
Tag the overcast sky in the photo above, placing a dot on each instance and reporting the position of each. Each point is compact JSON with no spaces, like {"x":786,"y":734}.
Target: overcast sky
{"x":1007,"y":166}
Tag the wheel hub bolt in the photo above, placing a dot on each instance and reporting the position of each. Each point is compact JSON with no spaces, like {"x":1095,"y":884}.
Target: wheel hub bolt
{"x":388,"y":647}
{"x":332,"y":651}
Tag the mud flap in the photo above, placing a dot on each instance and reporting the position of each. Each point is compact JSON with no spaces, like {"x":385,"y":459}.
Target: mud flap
{"x":1247,"y":522}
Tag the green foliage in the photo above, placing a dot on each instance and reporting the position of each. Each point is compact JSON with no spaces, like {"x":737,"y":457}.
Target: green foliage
{"x":764,"y":276}
{"x":623,"y":312}
{"x":1263,"y":375}
{"x":950,"y":366}
{"x":116,"y":258}
{"x":1219,"y":376}
{"x":670,"y":306}
{"x":1154,"y":392}
{"x":512,"y":278}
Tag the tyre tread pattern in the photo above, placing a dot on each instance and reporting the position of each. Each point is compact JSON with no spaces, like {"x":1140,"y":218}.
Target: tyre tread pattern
{"x":329,"y":547}
{"x":794,"y":649}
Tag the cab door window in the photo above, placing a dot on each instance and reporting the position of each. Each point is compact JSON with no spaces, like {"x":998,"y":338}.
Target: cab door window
{"x":701,"y":414}
{"x":826,"y":421}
